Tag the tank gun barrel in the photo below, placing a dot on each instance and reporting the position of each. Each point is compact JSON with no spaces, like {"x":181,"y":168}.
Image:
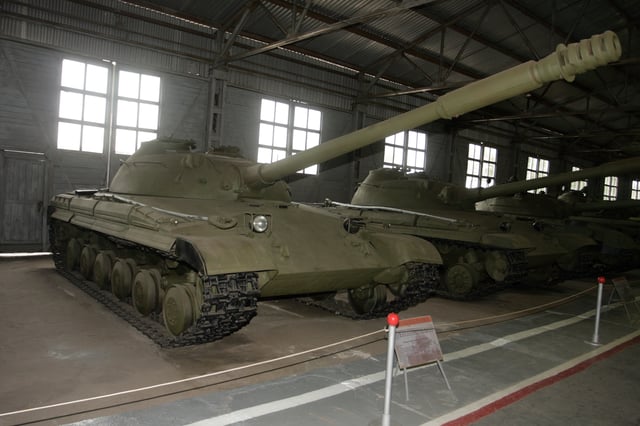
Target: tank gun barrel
{"x":565,"y":62}
{"x":614,"y":168}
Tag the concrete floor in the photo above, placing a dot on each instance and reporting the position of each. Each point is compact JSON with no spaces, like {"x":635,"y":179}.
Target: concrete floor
{"x":58,"y":345}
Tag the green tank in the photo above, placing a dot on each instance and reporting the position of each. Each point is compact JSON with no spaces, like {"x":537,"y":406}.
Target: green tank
{"x":615,"y":247}
{"x":506,"y":238}
{"x":187,"y":242}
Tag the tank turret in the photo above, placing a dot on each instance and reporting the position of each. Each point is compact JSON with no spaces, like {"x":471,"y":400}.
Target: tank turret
{"x":189,"y":241}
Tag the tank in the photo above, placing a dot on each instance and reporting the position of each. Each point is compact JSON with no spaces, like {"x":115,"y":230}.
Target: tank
{"x":616,"y":246}
{"x":187,"y":242}
{"x":484,"y":249}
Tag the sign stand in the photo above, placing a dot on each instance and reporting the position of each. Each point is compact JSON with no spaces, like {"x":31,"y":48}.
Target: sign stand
{"x":416,"y":344}
{"x":622,"y":292}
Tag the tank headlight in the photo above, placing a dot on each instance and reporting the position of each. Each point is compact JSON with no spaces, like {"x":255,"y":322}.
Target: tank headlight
{"x":259,"y":223}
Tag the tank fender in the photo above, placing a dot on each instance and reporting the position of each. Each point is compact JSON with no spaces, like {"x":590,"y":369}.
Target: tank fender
{"x":225,"y":255}
{"x":507,"y":241}
{"x":575,"y":241}
{"x":400,"y":249}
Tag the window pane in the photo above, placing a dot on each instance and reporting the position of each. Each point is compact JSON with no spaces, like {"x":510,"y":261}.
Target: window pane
{"x":97,"y":79}
{"x":474,"y":151}
{"x":280,"y":137}
{"x":95,"y":109}
{"x":70,"y":105}
{"x":315,"y":117}
{"x":149,"y":88}
{"x":397,"y":155}
{"x":265,"y":136}
{"x":313,"y":139}
{"x":127,"y":113}
{"x":532,"y":164}
{"x":311,"y":170}
{"x":299,"y":140}
{"x":278,"y":154}
{"x":282,"y":113}
{"x":69,"y":136}
{"x":148,"y":116}
{"x":125,"y":141}
{"x":388,"y":154}
{"x":72,"y":74}
{"x":264,"y":155}
{"x":146,"y":136}
{"x":128,"y":84}
{"x":544,"y":166}
{"x":268,"y":111}
{"x":300,"y":117}
{"x":92,"y":139}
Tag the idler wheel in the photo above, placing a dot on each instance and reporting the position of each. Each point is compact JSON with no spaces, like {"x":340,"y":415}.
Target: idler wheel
{"x":72,"y":256}
{"x":177,"y":309}
{"x":366,"y":299}
{"x":122,"y":278}
{"x":87,"y":259}
{"x":146,"y":291}
{"x":102,"y":269}
{"x":497,"y":266}
{"x":461,"y":280}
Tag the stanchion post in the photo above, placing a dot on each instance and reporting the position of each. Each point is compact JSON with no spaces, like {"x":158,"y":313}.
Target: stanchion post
{"x":595,"y":340}
{"x":392,"y":322}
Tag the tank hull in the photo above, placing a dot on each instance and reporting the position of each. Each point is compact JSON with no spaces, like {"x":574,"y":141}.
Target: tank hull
{"x":185,"y":243}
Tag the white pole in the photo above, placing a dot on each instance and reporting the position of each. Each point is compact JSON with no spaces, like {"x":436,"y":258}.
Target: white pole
{"x":595,"y":340}
{"x":392,"y":321}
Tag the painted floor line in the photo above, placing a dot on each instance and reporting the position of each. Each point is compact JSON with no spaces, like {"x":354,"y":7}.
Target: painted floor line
{"x":482,"y":407}
{"x":330,"y":391}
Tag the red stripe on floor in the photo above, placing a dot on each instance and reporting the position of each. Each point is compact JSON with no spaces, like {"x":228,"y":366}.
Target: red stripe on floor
{"x":519,"y":394}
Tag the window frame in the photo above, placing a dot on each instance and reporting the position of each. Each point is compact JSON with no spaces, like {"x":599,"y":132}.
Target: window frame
{"x":109,"y":126}
{"x":635,"y":189}
{"x":480,"y":167}
{"x":535,"y":172}
{"x":280,"y":136}
{"x":577,"y":185}
{"x":68,"y":88}
{"x":119,"y":102}
{"x":409,"y":146}
{"x":610,"y":188}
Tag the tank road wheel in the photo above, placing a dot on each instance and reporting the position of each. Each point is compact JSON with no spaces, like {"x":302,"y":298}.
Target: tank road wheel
{"x":74,"y":248}
{"x":461,"y":280}
{"x":87,"y":259}
{"x":102,"y":269}
{"x":497,"y":266}
{"x":122,"y":278}
{"x":177,"y":309}
{"x":366,"y":299}
{"x":146,"y":291}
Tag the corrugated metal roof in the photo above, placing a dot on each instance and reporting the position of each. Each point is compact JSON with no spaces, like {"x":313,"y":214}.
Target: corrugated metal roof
{"x":430,"y":46}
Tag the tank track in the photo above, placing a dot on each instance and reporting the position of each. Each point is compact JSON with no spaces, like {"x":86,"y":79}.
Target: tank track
{"x":423,"y":278}
{"x":234,"y":297}
{"x":517,"y":272}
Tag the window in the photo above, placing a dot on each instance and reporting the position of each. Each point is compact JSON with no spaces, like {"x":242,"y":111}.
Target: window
{"x":577,"y":185}
{"x":635,"y":189}
{"x":138,"y":105}
{"x":610,"y":188}
{"x":286,"y":130}
{"x":481,"y":166}
{"x":82,"y":110}
{"x":537,"y":168}
{"x":406,"y":150}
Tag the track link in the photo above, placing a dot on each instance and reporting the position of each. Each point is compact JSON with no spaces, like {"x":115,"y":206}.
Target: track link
{"x":229,"y":300}
{"x":423,"y":279}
